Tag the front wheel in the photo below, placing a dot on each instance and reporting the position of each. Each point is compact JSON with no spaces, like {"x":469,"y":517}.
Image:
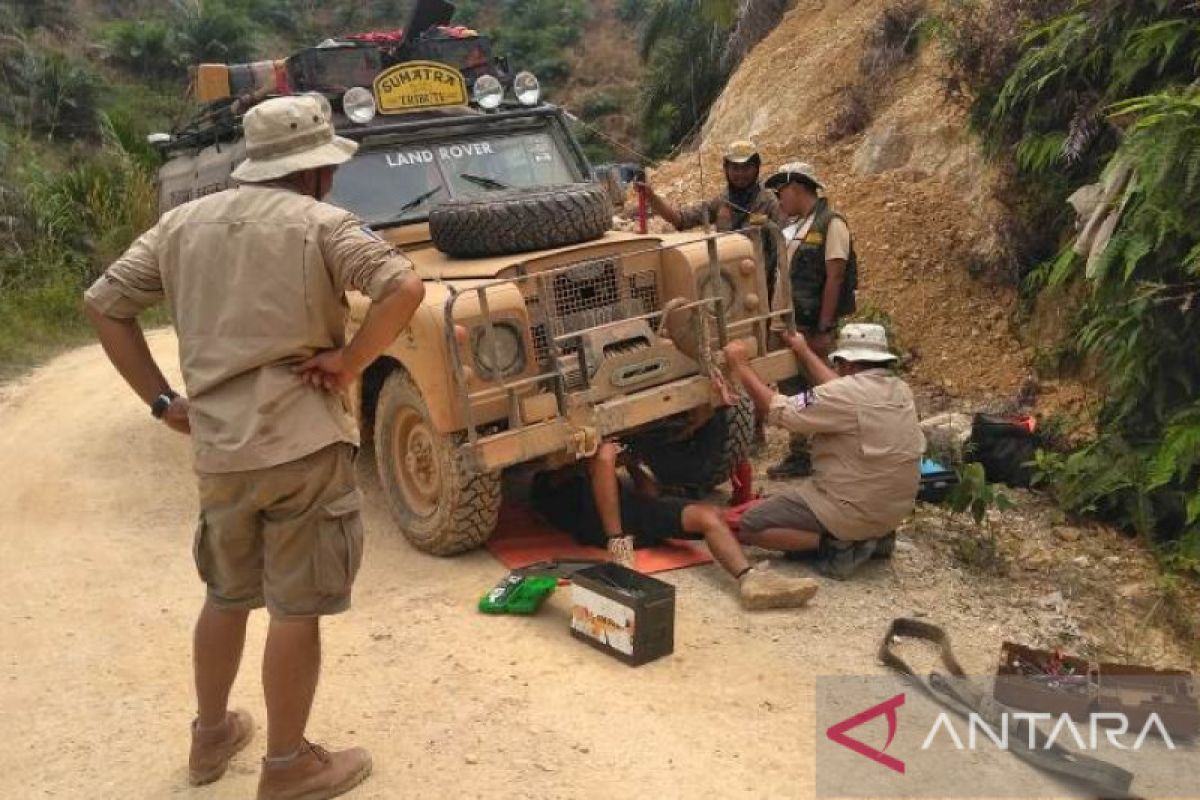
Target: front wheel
{"x":440,"y":506}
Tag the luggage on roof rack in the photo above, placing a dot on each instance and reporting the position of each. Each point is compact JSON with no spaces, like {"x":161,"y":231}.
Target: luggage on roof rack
{"x":334,"y":67}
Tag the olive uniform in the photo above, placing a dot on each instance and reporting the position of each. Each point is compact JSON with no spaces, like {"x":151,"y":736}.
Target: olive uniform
{"x":808,"y":274}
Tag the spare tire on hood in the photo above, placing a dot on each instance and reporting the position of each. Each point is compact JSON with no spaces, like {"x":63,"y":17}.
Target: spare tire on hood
{"x":520,"y":220}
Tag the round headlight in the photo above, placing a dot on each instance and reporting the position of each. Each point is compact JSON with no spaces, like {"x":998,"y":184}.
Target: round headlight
{"x":504,"y":358}
{"x":527,"y":89}
{"x":489,"y":92}
{"x":359,"y":105}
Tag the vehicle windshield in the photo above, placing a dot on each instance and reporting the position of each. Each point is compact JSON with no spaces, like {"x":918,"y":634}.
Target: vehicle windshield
{"x":389,"y":185}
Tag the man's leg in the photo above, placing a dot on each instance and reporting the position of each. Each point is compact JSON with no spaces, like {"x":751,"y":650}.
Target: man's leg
{"x":219,"y":638}
{"x":602,"y":470}
{"x":229,"y":561}
{"x":787,"y":540}
{"x":217,"y":734}
{"x":312,"y":547}
{"x":706,"y":521}
{"x":606,"y":492}
{"x":291,"y":667}
{"x":758,"y":589}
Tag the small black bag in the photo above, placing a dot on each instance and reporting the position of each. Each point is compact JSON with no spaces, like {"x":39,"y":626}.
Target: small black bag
{"x":1005,"y":446}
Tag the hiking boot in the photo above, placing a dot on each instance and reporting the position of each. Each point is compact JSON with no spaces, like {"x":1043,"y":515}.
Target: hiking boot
{"x":213,"y":748}
{"x":796,"y":465}
{"x":761,"y":589}
{"x":314,"y":774}
{"x":839,"y":560}
{"x":620,"y":551}
{"x":885,"y":546}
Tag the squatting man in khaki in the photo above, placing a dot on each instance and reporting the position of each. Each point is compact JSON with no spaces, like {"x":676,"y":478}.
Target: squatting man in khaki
{"x":866,"y":450}
{"x":255,"y":278}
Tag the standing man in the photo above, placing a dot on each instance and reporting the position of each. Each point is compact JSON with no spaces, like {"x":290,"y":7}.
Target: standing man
{"x":743,"y":203}
{"x":599,"y":509}
{"x":866,"y":449}
{"x":822,"y":279}
{"x":254,"y":278}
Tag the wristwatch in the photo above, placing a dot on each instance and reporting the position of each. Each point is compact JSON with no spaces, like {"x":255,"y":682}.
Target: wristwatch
{"x":161,"y":403}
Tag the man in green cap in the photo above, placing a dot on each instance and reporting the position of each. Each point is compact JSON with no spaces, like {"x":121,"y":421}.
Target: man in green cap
{"x":744,"y":202}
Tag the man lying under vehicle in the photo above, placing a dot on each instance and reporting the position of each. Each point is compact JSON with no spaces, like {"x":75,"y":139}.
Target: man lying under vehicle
{"x":599,"y":507}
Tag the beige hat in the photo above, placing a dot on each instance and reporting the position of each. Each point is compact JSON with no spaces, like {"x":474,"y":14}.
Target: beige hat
{"x":290,"y":134}
{"x":741,"y":152}
{"x":795,"y":171}
{"x":862,"y":342}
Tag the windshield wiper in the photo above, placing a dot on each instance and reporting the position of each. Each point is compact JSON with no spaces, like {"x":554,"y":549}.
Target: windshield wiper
{"x":486,"y":183}
{"x":419,"y":199}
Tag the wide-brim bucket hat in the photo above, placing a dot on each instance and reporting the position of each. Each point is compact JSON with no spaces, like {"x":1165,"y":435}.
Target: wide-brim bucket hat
{"x":290,"y":134}
{"x":863,"y":342}
{"x":795,"y":172}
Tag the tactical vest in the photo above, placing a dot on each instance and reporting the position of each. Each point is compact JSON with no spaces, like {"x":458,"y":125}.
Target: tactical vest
{"x":808,"y":271}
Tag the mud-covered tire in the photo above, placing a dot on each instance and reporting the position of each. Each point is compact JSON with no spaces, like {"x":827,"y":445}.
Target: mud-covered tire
{"x":439,"y":506}
{"x":521,"y":220}
{"x":704,"y":461}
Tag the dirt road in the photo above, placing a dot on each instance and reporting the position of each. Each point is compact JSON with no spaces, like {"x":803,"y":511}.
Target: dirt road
{"x":99,"y":593}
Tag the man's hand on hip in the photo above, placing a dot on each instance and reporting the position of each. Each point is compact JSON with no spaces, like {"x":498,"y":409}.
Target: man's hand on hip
{"x":329,"y":370}
{"x":176,"y":416}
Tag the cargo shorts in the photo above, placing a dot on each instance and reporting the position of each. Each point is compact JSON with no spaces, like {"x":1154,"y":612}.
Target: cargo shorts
{"x":787,"y":510}
{"x":289,"y":537}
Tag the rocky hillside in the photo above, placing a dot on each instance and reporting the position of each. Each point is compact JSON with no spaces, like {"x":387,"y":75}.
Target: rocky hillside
{"x":913,"y":184}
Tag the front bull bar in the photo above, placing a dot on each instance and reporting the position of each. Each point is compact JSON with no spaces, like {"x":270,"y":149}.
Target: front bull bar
{"x":709,"y":314}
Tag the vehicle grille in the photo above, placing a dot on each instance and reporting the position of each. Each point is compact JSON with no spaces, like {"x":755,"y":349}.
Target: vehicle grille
{"x":593,"y":294}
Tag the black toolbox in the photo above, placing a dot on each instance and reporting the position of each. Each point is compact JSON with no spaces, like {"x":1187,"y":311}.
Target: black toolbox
{"x":624,"y":613}
{"x":1042,"y":681}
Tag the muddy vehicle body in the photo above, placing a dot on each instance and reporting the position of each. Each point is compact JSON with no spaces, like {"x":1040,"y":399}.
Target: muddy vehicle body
{"x":542,"y":332}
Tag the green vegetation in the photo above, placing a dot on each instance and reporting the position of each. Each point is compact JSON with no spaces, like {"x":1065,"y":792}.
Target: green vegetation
{"x":534,"y":34}
{"x":689,"y":49}
{"x":974,"y":496}
{"x":1079,"y":90}
{"x":77,"y":182}
{"x":682,"y":46}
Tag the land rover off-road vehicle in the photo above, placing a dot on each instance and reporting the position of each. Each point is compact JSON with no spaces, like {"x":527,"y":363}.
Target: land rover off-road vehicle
{"x":542,"y":331}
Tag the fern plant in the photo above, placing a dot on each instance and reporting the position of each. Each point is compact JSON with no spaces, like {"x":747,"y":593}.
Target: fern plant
{"x":1110,"y":85}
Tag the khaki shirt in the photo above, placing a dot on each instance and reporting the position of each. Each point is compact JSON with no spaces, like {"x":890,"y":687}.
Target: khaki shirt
{"x":866,"y":451}
{"x":765,"y":208}
{"x":255,"y":280}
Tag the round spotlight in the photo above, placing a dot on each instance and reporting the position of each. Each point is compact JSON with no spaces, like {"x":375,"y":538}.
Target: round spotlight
{"x":489,"y":92}
{"x":527,"y":89}
{"x":326,"y":109}
{"x":359,"y":105}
